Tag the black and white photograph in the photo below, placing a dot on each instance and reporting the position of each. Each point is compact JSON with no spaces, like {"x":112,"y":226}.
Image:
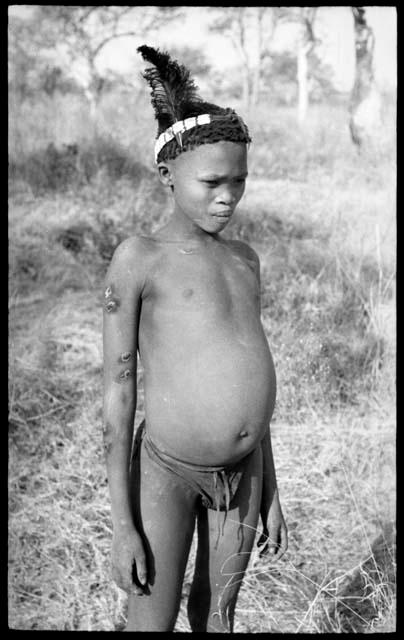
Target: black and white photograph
{"x":202,"y":318}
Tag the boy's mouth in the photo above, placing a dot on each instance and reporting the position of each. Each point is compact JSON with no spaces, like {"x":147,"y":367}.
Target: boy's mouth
{"x":225,"y":213}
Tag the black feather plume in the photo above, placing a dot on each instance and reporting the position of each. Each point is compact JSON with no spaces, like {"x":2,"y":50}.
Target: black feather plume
{"x":174,"y":93}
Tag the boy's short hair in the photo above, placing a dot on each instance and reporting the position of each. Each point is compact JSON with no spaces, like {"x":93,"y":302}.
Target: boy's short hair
{"x":175,"y":98}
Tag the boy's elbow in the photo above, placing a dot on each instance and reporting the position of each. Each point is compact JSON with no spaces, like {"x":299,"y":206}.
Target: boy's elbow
{"x":119,"y":398}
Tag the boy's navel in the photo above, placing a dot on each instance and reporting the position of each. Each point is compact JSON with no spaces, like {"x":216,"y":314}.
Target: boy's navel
{"x":188,"y":293}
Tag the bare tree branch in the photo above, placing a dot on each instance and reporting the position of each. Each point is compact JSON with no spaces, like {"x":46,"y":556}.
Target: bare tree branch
{"x":114,"y":36}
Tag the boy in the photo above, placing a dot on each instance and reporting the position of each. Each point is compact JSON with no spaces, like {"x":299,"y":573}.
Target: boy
{"x":188,"y":301}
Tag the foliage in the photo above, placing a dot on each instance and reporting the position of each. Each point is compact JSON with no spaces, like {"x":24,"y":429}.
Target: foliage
{"x":58,"y":169}
{"x":28,"y":67}
{"x":66,"y":41}
{"x":244,"y":26}
{"x":280,"y":84}
{"x":193,"y":58}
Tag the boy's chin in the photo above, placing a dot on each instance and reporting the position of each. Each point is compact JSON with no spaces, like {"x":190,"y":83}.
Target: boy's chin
{"x":217,"y":224}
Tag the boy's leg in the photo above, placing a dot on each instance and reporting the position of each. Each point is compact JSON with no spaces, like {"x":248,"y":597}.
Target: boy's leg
{"x":164,"y":508}
{"x":222,"y":559}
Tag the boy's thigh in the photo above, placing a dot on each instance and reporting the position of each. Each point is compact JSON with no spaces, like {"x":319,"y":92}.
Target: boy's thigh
{"x":164,"y":513}
{"x":225,"y":542}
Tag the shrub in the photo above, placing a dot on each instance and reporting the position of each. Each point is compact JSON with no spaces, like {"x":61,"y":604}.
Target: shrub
{"x":53,"y":169}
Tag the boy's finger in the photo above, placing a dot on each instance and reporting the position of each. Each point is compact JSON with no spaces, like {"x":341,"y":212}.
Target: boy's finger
{"x":139,"y":569}
{"x":270,"y":548}
{"x":262,"y":540}
{"x":130,"y":587}
{"x":278,"y":554}
{"x":127,"y":584}
{"x":273,"y":549}
{"x":281,"y":548}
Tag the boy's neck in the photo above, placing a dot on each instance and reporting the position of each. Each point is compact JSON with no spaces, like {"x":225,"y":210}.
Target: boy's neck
{"x":179,"y":228}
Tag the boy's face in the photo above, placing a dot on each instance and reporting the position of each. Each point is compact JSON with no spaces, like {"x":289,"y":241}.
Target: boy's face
{"x":208,"y":182}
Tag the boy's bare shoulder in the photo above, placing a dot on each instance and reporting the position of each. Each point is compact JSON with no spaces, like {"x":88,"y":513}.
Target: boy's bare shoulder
{"x":133,"y":257}
{"x":244,"y":250}
{"x":134,"y":250}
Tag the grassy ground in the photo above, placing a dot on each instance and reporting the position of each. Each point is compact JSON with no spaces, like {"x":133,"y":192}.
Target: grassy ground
{"x":322,"y":220}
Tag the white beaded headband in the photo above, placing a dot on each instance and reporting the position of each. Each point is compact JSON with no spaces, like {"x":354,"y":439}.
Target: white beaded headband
{"x":177,"y":129}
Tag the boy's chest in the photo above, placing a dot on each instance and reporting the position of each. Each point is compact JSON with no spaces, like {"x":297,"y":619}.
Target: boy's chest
{"x":196,"y":281}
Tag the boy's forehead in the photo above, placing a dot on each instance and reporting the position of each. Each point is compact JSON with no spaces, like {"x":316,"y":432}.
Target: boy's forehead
{"x":214,"y":157}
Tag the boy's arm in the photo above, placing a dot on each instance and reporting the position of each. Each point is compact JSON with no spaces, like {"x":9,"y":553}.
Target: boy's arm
{"x":274,"y":535}
{"x":122,"y":300}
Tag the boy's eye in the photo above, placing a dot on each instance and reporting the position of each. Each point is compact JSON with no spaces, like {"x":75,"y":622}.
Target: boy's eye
{"x":215,"y":183}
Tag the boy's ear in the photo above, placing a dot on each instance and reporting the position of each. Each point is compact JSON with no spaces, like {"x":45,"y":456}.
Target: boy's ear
{"x":165,"y":174}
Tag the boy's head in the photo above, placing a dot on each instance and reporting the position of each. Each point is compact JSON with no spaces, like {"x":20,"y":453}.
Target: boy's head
{"x":185,"y":121}
{"x":207,"y":183}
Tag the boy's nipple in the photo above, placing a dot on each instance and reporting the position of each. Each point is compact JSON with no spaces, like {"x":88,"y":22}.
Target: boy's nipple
{"x":187,"y":293}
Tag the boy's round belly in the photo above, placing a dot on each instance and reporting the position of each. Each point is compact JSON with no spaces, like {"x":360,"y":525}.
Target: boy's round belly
{"x":211,"y":404}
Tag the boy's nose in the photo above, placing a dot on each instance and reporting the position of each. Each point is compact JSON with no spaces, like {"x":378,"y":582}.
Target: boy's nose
{"x":226,"y":197}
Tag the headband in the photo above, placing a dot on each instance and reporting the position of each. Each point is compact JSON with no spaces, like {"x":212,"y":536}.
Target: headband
{"x":178,"y":128}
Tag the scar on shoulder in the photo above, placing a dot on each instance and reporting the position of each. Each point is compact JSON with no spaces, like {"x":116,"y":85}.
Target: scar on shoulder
{"x":111,"y":301}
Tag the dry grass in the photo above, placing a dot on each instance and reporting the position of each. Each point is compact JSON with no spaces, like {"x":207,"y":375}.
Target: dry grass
{"x":322,"y":221}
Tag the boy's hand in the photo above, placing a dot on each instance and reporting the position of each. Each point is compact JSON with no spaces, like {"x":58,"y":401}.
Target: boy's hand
{"x":129,"y":562}
{"x":274,"y":537}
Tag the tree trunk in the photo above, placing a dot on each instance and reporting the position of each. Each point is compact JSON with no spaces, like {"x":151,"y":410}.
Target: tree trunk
{"x":255,"y":84}
{"x":246,"y":30}
{"x":92,"y":101}
{"x":246,"y":89}
{"x":302,"y":83}
{"x":240,"y":45}
{"x":92,"y":98}
{"x":93,"y":92}
{"x":305,"y":47}
{"x":256,"y":77}
{"x":365,"y":100}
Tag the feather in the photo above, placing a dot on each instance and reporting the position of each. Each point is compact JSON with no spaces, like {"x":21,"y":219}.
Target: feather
{"x":174,"y":93}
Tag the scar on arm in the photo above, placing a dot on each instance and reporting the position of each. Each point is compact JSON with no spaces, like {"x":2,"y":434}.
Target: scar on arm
{"x":125,"y":357}
{"x":125,"y":375}
{"x":107,"y":438}
{"x":111,"y":301}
